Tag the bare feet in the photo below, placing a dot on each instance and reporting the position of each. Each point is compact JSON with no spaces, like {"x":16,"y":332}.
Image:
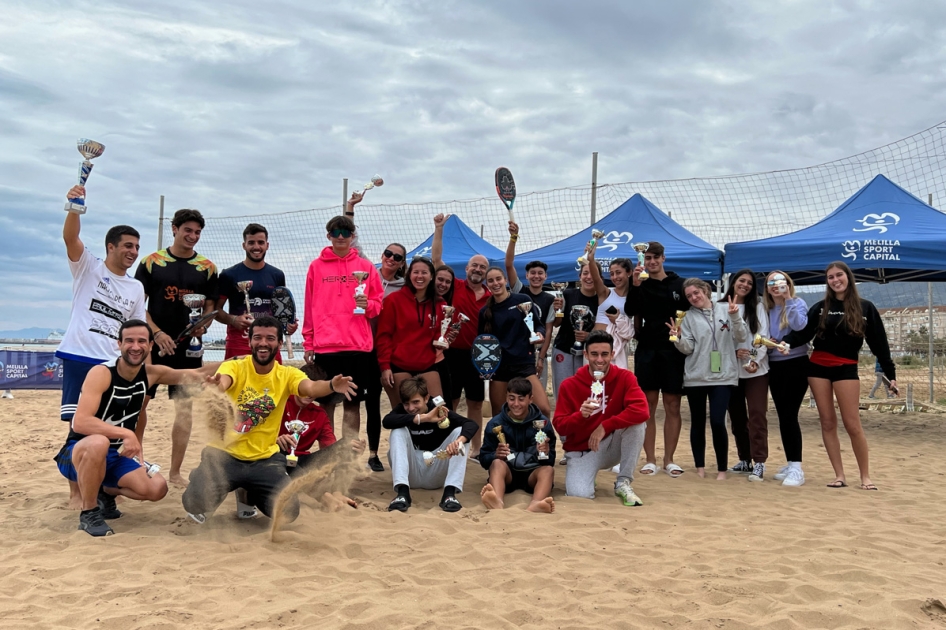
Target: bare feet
{"x":546,"y":505}
{"x":490,"y":499}
{"x":336,"y":501}
{"x":701,"y":473}
{"x":721,"y":476}
{"x":178,"y":480}
{"x":75,"y":499}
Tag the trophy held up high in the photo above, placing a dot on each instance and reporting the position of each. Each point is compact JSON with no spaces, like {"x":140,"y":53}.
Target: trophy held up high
{"x":592,"y":244}
{"x":89,"y":149}
{"x":640,"y":248}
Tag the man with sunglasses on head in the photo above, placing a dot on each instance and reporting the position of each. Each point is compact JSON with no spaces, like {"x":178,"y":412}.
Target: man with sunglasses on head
{"x":336,"y":338}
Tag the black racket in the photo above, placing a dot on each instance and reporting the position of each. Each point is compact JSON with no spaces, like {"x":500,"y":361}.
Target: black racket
{"x":284,"y":310}
{"x":506,"y":189}
{"x":486,"y":353}
{"x":205,"y":320}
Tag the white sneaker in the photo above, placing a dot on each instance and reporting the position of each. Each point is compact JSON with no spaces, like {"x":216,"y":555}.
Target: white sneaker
{"x":758,"y":471}
{"x":616,"y":469}
{"x":200,"y":519}
{"x":626,"y":493}
{"x":782,"y":472}
{"x":794,"y":477}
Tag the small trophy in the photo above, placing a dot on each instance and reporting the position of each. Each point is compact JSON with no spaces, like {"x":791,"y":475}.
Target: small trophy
{"x":445,"y":326}
{"x":195,"y":302}
{"x":439,"y":404}
{"x":296,"y":427}
{"x":361,"y":276}
{"x":597,"y":387}
{"x":150,"y":469}
{"x":557,"y":288}
{"x":680,"y":316}
{"x":244,"y":286}
{"x":640,"y":248}
{"x":781,"y":346}
{"x":582,"y":320}
{"x":89,"y":149}
{"x":375,"y":182}
{"x":461,"y":319}
{"x":751,"y":365}
{"x":502,"y":440}
{"x":592,"y":244}
{"x":540,"y":436}
{"x":441,"y":454}
{"x":526,"y":308}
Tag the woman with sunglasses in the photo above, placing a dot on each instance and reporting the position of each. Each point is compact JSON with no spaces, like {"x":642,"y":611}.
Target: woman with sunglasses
{"x":788,"y":372}
{"x":838,"y":326}
{"x":408,"y":326}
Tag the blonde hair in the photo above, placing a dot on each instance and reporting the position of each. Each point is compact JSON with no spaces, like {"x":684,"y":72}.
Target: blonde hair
{"x":769,"y":301}
{"x":702,"y":285}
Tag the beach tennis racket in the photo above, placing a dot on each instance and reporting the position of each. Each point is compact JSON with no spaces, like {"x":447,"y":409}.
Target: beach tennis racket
{"x":284,"y":310}
{"x":506,"y":189}
{"x":205,"y":320}
{"x":486,"y":353}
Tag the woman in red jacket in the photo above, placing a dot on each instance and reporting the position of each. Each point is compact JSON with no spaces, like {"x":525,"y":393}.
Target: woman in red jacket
{"x":407,"y":328}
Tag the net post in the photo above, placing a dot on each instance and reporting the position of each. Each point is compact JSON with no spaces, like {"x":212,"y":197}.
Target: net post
{"x":160,"y":223}
{"x":481,"y":230}
{"x":594,"y":185}
{"x":344,"y":194}
{"x":929,"y":305}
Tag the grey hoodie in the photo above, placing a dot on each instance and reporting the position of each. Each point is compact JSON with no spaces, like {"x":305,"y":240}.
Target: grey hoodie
{"x":696,"y":341}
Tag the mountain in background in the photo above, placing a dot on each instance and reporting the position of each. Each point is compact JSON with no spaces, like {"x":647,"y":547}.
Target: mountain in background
{"x":30,"y":333}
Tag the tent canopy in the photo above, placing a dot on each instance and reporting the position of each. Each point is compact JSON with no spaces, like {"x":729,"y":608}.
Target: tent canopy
{"x":460,"y":243}
{"x":882,"y":232}
{"x":634,"y":221}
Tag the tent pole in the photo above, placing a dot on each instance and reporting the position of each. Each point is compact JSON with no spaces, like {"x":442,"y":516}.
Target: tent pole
{"x":481,"y":230}
{"x":594,"y":185}
{"x":160,"y":223}
{"x":344,"y":194}
{"x":929,"y":290}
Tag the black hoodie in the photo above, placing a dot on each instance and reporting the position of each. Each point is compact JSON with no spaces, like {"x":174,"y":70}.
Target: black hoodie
{"x":519,"y":435}
{"x":427,"y":436}
{"x":657,"y":302}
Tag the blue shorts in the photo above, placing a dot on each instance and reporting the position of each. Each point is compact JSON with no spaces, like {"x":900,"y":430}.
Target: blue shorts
{"x":73,"y":375}
{"x":116,"y":466}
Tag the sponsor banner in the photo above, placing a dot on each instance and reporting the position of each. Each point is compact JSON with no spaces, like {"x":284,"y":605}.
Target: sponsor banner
{"x":20,"y":369}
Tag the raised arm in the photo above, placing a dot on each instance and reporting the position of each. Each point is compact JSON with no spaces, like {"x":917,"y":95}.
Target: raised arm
{"x":510,"y":260}
{"x":600,"y":288}
{"x":436,"y":247}
{"x":70,"y":228}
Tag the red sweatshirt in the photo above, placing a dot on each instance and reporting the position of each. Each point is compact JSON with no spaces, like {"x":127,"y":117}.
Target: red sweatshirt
{"x":317,"y":426}
{"x":623,"y":405}
{"x":407,"y":330}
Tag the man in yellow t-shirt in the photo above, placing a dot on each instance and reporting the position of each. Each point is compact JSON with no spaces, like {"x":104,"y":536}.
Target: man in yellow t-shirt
{"x":248,"y":456}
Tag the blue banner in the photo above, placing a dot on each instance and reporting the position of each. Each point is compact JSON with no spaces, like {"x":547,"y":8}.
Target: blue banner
{"x":20,"y":369}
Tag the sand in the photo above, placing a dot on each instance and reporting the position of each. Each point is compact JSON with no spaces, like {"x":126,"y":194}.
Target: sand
{"x":698,"y":554}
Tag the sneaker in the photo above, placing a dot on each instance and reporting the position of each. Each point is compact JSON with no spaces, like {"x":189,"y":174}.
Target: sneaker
{"x":782,"y":472}
{"x":564,"y":461}
{"x":107,"y":505}
{"x":374,"y":463}
{"x":200,"y":519}
{"x":794,"y":477}
{"x":624,"y":490}
{"x":92,"y":523}
{"x":758,"y":470}
{"x":741,"y":467}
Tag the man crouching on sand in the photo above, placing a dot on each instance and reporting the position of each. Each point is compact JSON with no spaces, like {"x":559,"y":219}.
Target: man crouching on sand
{"x":105,"y":421}
{"x":524,"y":457}
{"x":248,"y":456}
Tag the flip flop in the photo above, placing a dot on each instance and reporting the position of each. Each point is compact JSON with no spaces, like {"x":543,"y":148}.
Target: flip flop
{"x":649,"y":469}
{"x":400,"y":504}
{"x":837,"y":484}
{"x":673,"y":470}
{"x":868,"y":486}
{"x":450,"y":504}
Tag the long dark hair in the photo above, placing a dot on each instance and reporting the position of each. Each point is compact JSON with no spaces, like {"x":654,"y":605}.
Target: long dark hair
{"x":853,"y":311}
{"x":430,"y":293}
{"x":752,"y":299}
{"x":487,"y":317}
{"x":402,"y":269}
{"x":448,"y":296}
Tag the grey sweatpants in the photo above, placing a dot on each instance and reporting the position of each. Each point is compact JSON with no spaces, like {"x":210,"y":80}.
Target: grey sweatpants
{"x":621,"y":447}
{"x":564,"y":364}
{"x":408,"y":467}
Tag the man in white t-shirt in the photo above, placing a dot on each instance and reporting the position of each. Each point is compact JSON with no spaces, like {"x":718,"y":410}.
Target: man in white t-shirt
{"x":104,"y":297}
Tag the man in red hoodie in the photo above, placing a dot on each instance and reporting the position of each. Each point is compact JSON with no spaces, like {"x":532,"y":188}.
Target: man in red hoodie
{"x":336,"y":338}
{"x":600,"y":415}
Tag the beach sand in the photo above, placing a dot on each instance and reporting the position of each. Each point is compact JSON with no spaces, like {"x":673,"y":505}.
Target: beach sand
{"x":698,"y":554}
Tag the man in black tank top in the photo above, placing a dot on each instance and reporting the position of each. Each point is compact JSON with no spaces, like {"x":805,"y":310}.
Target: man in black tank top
{"x":105,"y":421}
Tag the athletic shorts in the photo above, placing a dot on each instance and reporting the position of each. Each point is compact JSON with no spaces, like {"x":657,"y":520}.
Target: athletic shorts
{"x":463,"y":376}
{"x":177,"y":361}
{"x":73,"y":375}
{"x":116,"y":465}
{"x":351,"y":363}
{"x":399,"y":370}
{"x":507,"y":372}
{"x":833,"y":374}
{"x":660,"y":370}
{"x":520,"y":481}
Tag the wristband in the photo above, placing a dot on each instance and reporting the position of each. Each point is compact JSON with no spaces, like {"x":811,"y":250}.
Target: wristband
{"x":349,"y":214}
{"x":513,"y":238}
{"x":331,"y":386}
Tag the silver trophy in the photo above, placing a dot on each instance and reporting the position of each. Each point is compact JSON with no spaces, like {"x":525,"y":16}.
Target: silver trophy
{"x":244,"y":286}
{"x":296,"y":428}
{"x":461,"y":319}
{"x":89,"y":149}
{"x":526,"y":308}
{"x":195,"y":302}
{"x":557,"y":292}
{"x":361,"y":276}
{"x":540,"y":436}
{"x":445,"y":326}
{"x":150,"y":469}
{"x":592,"y":244}
{"x":597,"y":388}
{"x":640,"y":248}
{"x":582,"y":320}
{"x":375,"y":182}
{"x":752,"y":365}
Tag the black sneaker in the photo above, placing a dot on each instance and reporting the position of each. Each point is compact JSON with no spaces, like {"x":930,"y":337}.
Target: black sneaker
{"x":91,"y":522}
{"x":374,"y":463}
{"x":107,"y":505}
{"x":741,"y":467}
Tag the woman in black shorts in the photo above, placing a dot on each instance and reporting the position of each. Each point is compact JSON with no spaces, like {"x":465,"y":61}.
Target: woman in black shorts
{"x":839,"y":325}
{"x":502,"y":318}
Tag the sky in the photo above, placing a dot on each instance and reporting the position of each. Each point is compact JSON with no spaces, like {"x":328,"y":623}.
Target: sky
{"x":243,"y":107}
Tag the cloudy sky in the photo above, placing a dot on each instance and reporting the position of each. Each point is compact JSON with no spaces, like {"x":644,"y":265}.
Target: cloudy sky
{"x":246,"y":107}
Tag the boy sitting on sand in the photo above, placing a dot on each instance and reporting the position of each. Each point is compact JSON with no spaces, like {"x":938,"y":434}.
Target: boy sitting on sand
{"x":303,"y":424}
{"x":519,"y":451}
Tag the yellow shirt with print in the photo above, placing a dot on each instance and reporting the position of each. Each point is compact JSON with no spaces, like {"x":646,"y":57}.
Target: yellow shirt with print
{"x":260,"y":401}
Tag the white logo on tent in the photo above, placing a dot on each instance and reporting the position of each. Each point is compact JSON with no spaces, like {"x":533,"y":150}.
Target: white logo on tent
{"x":850,"y":249}
{"x":612,"y":240}
{"x":425,"y":253}
{"x":878,"y":222}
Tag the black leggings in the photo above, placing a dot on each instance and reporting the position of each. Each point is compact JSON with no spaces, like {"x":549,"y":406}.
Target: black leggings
{"x":788,"y":382}
{"x":718,"y":396}
{"x":373,"y":405}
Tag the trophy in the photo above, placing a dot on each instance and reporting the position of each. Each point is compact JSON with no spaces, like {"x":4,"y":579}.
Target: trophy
{"x":195,"y":302}
{"x":244,"y":286}
{"x":445,"y":326}
{"x":640,"y":248}
{"x":296,"y":427}
{"x":526,"y":308}
{"x":361,"y":276}
{"x":781,"y":346}
{"x":680,"y":316}
{"x":557,"y":288}
{"x":592,"y":244}
{"x":502,"y":440}
{"x":89,"y":149}
{"x":597,"y":387}
{"x":461,"y":319}
{"x":540,"y":436}
{"x":375,"y":182}
{"x":582,"y":320}
{"x":751,"y":365}
{"x":442,"y":411}
{"x":441,"y":454}
{"x":150,"y":469}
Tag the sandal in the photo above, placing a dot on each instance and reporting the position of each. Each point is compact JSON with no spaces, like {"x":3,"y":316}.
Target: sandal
{"x":450,"y":504}
{"x":649,"y":469}
{"x":399,"y":504}
{"x":837,"y":484}
{"x":673,"y":470}
{"x":868,"y":486}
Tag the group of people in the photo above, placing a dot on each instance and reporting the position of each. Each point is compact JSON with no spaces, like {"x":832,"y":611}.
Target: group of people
{"x":370,"y":330}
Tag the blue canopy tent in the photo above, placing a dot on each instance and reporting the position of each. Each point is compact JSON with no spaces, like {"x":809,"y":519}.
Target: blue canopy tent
{"x":634,"y":221}
{"x":882,"y":232}
{"x":460,"y":243}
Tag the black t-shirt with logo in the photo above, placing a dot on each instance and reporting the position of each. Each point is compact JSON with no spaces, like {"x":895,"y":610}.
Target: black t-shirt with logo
{"x":566,"y":332}
{"x":167,"y":279}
